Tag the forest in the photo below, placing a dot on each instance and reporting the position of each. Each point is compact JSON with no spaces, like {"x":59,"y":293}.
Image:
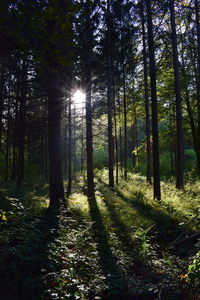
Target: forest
{"x":100,"y":149}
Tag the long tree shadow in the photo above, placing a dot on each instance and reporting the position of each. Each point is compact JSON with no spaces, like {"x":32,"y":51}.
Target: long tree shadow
{"x":114,"y":276}
{"x":122,"y":231}
{"x":167,"y":227}
{"x":162,"y":220}
{"x":26,"y":260}
{"x":129,"y":246}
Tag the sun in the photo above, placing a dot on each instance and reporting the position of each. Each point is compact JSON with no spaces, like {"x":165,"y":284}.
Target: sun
{"x":78,"y":99}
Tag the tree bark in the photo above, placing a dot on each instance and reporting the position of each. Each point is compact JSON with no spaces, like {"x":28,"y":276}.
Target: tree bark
{"x":146,"y":97}
{"x":116,"y":142}
{"x":82,"y":147}
{"x":14,"y":151}
{"x":69,"y":186}
{"x":198,"y":85}
{"x":133,"y":135}
{"x":22,"y":125}
{"x":1,"y":100}
{"x":156,"y":162}
{"x":74,"y":144}
{"x":66,"y":144}
{"x":88,"y":36}
{"x":110,"y":100}
{"x":125,"y":123}
{"x":120,"y":137}
{"x":7,"y":139}
{"x":171,"y":135}
{"x":179,"y":118}
{"x":46,"y":155}
{"x":136,"y":140}
{"x":89,"y":138}
{"x":56,"y":188}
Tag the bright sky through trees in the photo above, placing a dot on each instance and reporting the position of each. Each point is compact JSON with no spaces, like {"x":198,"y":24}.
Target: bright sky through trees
{"x":78,"y":99}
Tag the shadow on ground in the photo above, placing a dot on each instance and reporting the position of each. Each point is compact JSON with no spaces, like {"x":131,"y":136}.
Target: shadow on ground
{"x":166,"y":226}
{"x":25,"y":260}
{"x":115,"y":278}
{"x":119,"y":285}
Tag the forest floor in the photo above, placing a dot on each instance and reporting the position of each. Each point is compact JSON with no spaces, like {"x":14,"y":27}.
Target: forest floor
{"x":121,"y":245}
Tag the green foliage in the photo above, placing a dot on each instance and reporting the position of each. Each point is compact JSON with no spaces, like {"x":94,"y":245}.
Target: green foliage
{"x":194,"y":271}
{"x":31,"y":169}
{"x":67,"y":253}
{"x":190,"y":160}
{"x":100,"y":158}
{"x":165,"y":162}
{"x":3,"y":216}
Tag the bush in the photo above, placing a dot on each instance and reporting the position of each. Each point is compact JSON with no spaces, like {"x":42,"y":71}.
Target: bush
{"x":100,"y":158}
{"x":194,"y":271}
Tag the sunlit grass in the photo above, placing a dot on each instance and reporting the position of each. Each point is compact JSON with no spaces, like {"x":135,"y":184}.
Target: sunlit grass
{"x":33,"y":195}
{"x":184,"y":202}
{"x":133,"y":205}
{"x":78,"y":203}
{"x":129,"y":230}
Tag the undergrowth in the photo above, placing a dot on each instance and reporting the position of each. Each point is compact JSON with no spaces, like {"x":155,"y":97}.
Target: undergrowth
{"x":120,"y":245}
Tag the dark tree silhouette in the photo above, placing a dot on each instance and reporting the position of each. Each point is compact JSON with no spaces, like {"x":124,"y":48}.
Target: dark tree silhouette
{"x":179,"y":118}
{"x":156,"y":163}
{"x":146,"y":97}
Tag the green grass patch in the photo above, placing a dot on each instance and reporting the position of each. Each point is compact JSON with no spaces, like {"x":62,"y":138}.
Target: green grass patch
{"x":120,"y":245}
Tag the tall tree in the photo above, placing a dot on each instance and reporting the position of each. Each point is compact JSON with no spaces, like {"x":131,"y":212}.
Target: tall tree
{"x":69,"y":186}
{"x":146,"y":97}
{"x":156,"y":162}
{"x":54,"y":139}
{"x":87,"y":69}
{"x":110,"y":97}
{"x":125,"y":120}
{"x":179,"y":118}
{"x":116,"y":140}
{"x":2,"y":71}
{"x":22,"y":122}
{"x":197,"y":140}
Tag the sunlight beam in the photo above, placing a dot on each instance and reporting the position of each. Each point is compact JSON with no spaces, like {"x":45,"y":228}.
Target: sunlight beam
{"x":79,"y":99}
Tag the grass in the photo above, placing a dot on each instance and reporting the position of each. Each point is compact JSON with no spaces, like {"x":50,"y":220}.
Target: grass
{"x":119,"y":245}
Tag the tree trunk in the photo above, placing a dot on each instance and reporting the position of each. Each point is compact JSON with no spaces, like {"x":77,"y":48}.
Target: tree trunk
{"x":125,"y":124}
{"x":54,"y":140}
{"x":120,"y":136}
{"x":133,"y":135}
{"x":74,"y":144}
{"x":65,"y":143}
{"x":171,"y":135}
{"x":110,"y":100}
{"x":146,"y":97}
{"x":7,"y":141}
{"x":198,"y":85}
{"x":156,"y":162}
{"x":179,"y":118}
{"x":46,"y":155}
{"x":88,"y":37}
{"x":82,"y":147}
{"x":22,"y":126}
{"x":116,"y":142}
{"x":69,"y":186}
{"x":1,"y":100}
{"x":14,"y":151}
{"x":136,"y":140}
{"x":89,"y":138}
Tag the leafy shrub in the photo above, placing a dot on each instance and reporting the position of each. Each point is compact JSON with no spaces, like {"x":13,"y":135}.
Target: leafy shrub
{"x":194,"y":271}
{"x":3,"y":215}
{"x":100,"y":158}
